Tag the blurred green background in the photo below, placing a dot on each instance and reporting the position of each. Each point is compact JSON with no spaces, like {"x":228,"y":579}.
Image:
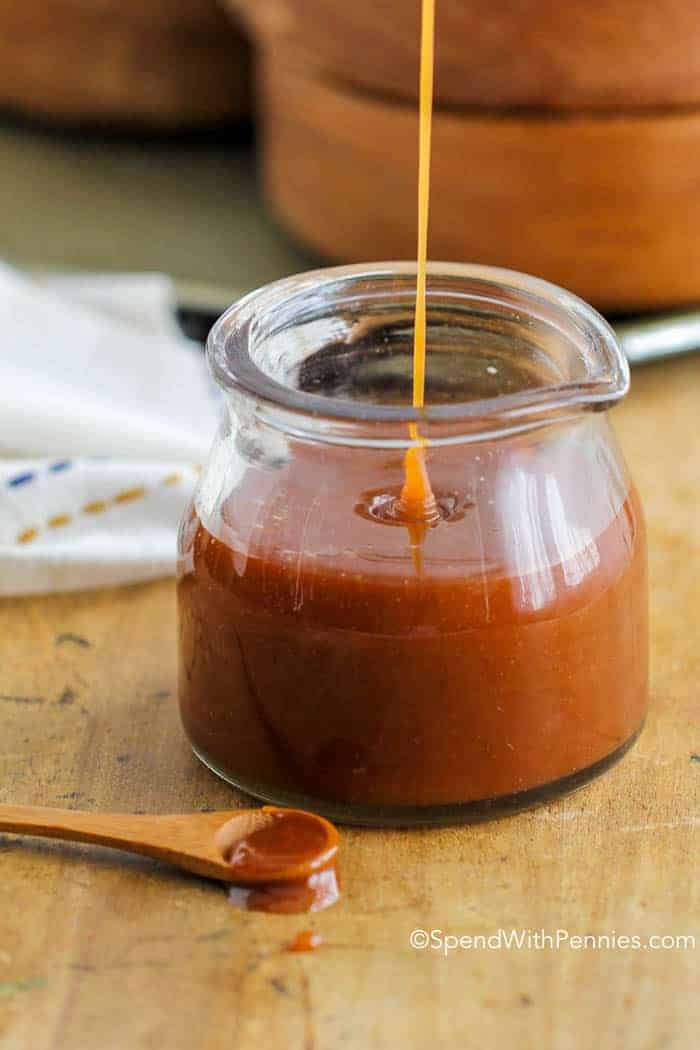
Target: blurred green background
{"x":189,"y":207}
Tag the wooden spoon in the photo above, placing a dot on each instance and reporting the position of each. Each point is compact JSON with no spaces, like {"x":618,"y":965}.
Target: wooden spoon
{"x":197,"y":842}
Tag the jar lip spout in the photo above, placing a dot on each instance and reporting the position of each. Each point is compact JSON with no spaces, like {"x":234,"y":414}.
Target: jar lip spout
{"x":259,"y":344}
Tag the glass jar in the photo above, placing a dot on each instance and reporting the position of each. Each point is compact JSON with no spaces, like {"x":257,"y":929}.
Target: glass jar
{"x":333,"y":657}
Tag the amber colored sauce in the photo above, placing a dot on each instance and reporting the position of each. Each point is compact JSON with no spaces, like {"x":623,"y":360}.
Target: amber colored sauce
{"x":305,"y":941}
{"x":417,"y":502}
{"x":341,"y":677}
{"x":288,"y":866}
{"x":427,"y":62}
{"x":416,"y":506}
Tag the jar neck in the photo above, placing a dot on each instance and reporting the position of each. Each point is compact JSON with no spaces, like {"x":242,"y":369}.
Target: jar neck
{"x":328,"y":355}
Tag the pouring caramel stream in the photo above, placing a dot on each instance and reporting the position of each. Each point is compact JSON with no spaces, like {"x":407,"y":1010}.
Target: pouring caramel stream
{"x":417,"y":502}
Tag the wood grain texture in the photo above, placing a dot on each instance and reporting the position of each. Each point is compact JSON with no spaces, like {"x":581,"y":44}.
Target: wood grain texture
{"x":164,"y":64}
{"x":99,"y":950}
{"x":606,"y":206}
{"x":549,"y":53}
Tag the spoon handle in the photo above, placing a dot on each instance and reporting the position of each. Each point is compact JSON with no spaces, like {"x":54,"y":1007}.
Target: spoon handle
{"x":105,"y":829}
{"x":160,"y":837}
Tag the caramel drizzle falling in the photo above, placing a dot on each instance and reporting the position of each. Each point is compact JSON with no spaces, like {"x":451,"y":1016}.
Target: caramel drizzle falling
{"x":417,"y":501}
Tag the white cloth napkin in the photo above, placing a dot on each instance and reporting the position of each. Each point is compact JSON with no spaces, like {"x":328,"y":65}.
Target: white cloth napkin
{"x":106,"y":414}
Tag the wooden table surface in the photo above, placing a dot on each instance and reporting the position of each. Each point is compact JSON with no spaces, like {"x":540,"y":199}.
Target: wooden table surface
{"x":98,"y":950}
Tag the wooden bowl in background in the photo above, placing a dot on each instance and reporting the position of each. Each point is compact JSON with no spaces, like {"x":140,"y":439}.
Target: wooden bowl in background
{"x":584,"y":54}
{"x":605,"y":205}
{"x":149,"y":63}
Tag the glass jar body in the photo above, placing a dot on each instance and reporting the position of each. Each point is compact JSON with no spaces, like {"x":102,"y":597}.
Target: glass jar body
{"x":330,"y":658}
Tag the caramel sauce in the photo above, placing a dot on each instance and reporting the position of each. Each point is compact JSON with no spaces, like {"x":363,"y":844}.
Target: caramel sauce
{"x":287,"y":866}
{"x":427,"y":63}
{"x":417,"y":501}
{"x":305,"y":941}
{"x":417,"y":506}
{"x":345,"y":678}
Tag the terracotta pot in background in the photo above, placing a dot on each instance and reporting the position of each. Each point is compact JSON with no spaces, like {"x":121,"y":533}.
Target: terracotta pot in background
{"x":584,"y":54}
{"x":154,"y":64}
{"x":607,"y":206}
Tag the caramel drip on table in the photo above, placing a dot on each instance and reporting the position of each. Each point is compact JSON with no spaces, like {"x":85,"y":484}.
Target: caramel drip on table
{"x":305,"y":941}
{"x":417,"y":501}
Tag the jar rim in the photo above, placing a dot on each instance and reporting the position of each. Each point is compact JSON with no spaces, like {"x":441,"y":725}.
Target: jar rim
{"x":229,"y":348}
